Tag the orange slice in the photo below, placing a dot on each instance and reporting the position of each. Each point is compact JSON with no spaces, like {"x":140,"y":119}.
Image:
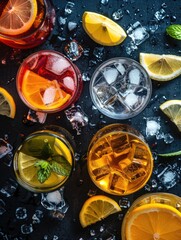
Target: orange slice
{"x":154,"y":221}
{"x":102,"y":29}
{"x":97,"y":208}
{"x":18,"y":16}
{"x":7,"y":104}
{"x":33,"y":88}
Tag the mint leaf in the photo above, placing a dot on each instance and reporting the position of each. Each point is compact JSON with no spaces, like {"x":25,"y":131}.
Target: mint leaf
{"x":174,"y":31}
{"x":46,"y":150}
{"x":61,"y":166}
{"x":44,"y":171}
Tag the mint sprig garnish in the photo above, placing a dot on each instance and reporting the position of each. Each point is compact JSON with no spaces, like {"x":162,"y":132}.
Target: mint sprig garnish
{"x":174,"y":31}
{"x":48,"y":159}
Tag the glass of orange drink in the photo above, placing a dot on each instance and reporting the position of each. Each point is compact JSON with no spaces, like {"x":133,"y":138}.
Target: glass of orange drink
{"x":154,"y":216}
{"x":45,"y":159}
{"x":25,"y":24}
{"x":119,"y":161}
{"x":49,"y":82}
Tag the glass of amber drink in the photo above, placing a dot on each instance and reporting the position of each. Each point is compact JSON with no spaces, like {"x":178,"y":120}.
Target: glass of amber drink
{"x":44,"y":160}
{"x":119,"y":161}
{"x":49,"y":82}
{"x":25,"y":24}
{"x":153,"y":216}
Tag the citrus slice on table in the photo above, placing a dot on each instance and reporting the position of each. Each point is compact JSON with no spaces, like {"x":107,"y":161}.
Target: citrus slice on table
{"x":34,"y":87}
{"x":18,"y":16}
{"x":172,"y":108}
{"x":102,"y":29}
{"x":154,"y":221}
{"x":7,"y":104}
{"x":161,"y":67}
{"x":97,"y":208}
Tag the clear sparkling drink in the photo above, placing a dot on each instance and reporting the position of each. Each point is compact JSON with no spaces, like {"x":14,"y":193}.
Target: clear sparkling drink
{"x":119,"y":161}
{"x":120,"y":88}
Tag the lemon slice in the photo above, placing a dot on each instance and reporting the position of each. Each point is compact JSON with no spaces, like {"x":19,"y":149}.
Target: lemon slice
{"x":154,"y":221}
{"x":172,"y":109}
{"x":7,"y":104}
{"x":97,"y":208}
{"x":161,"y":67}
{"x":18,"y":16}
{"x":102,"y":29}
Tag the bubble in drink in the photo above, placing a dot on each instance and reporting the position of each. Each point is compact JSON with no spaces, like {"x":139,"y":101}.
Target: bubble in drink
{"x":120,"y":88}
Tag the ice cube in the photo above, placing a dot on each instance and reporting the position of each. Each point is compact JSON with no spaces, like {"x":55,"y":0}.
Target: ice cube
{"x":110,"y":74}
{"x":168,"y":177}
{"x":132,"y":101}
{"x":140,"y":154}
{"x":72,"y":25}
{"x":152,"y":26}
{"x":9,"y":188}
{"x":62,"y":20}
{"x":85,"y":76}
{"x":69,"y":83}
{"x":26,"y":228}
{"x":77,"y":118}
{"x":117,"y":15}
{"x":34,"y":116}
{"x":160,"y":14}
{"x":168,"y":138}
{"x":37,"y":216}
{"x":120,"y":144}
{"x":118,"y":183}
{"x":99,"y":53}
{"x":104,"y":93}
{"x":131,"y":47}
{"x":2,"y":205}
{"x":69,"y":8}
{"x":152,"y":126}
{"x":134,"y":172}
{"x":120,"y":67}
{"x":104,"y":2}
{"x":57,"y":65}
{"x":5,"y":148}
{"x":21,"y":213}
{"x":124,"y":202}
{"x":49,"y":95}
{"x":137,"y":33}
{"x":73,"y":50}
{"x":141,"y":91}
{"x":101,"y":172}
{"x":134,"y":76}
{"x":54,"y":197}
{"x":102,"y":161}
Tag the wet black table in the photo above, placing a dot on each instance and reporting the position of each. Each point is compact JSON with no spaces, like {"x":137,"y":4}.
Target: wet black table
{"x":79,"y":187}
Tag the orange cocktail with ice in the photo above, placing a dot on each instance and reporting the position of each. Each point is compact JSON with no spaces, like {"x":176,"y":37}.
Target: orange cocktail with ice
{"x":25,"y":24}
{"x":119,"y":160}
{"x":47,"y":81}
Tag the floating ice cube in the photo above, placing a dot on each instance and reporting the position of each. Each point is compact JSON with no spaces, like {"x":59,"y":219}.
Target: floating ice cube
{"x":21,"y":213}
{"x":104,"y":93}
{"x":134,"y":76}
{"x":117,"y":15}
{"x":57,"y":65}
{"x":5,"y":148}
{"x":9,"y":188}
{"x":69,"y":83}
{"x":69,"y":8}
{"x":160,"y":14}
{"x":49,"y":95}
{"x":72,"y":25}
{"x":152,"y":127}
{"x":77,"y":118}
{"x":73,"y":50}
{"x":120,"y":67}
{"x":137,"y":33}
{"x":110,"y":74}
{"x":132,"y":100}
{"x":26,"y":228}
{"x":2,"y":205}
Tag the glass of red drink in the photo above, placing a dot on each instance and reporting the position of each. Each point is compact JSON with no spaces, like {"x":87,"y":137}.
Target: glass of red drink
{"x":37,"y":21}
{"x":47,"y":81}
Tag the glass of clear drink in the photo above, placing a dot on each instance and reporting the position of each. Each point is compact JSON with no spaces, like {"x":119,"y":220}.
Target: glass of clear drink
{"x":119,"y":161}
{"x":120,"y":88}
{"x":26,"y":24}
{"x":45,"y":159}
{"x":160,"y":207}
{"x":47,"y":81}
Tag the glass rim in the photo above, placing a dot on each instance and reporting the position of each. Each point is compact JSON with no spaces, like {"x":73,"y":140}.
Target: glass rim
{"x":24,"y":36}
{"x":107,"y":112}
{"x":76,"y":79}
{"x":43,"y":132}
